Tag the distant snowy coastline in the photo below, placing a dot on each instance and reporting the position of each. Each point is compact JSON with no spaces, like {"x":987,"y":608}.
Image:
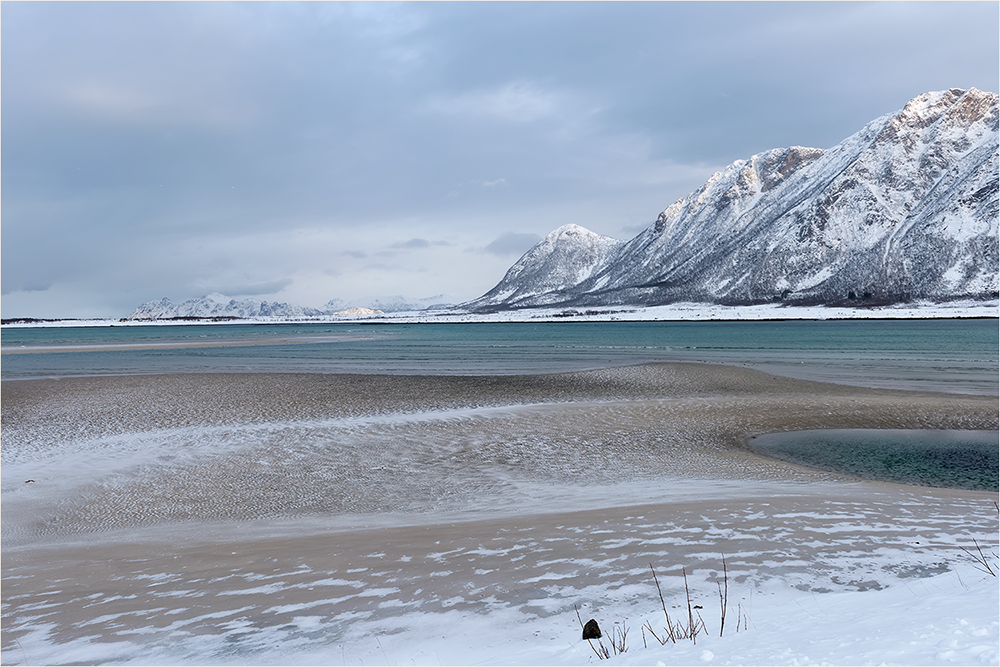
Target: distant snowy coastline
{"x":678,"y":312}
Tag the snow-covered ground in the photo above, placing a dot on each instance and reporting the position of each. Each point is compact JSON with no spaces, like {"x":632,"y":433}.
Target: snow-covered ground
{"x":948,"y":619}
{"x":678,"y":312}
{"x":687,"y":312}
{"x":877,"y":578}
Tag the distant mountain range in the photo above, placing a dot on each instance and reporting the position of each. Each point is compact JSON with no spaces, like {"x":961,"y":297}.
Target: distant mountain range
{"x":392,"y":304}
{"x":221,"y":306}
{"x":905,"y":209}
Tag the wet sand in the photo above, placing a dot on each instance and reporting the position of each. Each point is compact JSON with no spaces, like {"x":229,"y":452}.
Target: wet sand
{"x":227,"y":506}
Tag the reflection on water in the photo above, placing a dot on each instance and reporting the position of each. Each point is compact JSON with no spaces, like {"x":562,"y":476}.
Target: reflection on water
{"x":955,"y":459}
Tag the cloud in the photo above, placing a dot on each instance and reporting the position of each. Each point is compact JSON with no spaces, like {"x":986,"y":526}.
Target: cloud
{"x":492,"y":184}
{"x":512,"y":243}
{"x":411,"y":244}
{"x":110,"y":100}
{"x":28,"y":287}
{"x":633,"y":230}
{"x":513,"y":102}
{"x":380,"y":267}
{"x":249,"y":289}
{"x":129,"y":104}
{"x":416,"y":243}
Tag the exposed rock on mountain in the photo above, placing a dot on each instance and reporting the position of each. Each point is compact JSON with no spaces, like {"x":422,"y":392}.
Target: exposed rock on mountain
{"x":907,"y":208}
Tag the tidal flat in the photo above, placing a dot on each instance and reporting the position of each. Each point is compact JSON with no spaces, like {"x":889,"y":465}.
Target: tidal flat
{"x":285,"y":518}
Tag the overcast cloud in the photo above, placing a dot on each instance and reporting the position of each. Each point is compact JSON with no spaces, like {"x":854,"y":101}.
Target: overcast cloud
{"x":304,"y":152}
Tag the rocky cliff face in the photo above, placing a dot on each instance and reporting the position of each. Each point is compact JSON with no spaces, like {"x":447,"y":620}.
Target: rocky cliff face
{"x":906,"y":208}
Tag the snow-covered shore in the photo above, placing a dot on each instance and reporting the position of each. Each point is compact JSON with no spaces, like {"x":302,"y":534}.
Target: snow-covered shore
{"x":818,"y":578}
{"x":678,"y":312}
{"x":689,"y":312}
{"x":323,"y":519}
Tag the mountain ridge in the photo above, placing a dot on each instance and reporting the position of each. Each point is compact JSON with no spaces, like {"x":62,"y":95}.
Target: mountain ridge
{"x":905,"y":208}
{"x":216,"y":305}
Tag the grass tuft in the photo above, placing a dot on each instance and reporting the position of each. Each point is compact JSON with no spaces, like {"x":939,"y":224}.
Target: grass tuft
{"x":980,"y":559}
{"x":674,"y":630}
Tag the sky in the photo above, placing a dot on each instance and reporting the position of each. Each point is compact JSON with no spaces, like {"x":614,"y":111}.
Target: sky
{"x":305,"y":152}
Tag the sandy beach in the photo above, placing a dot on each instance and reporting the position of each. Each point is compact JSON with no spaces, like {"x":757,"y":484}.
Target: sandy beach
{"x":349,"y":519}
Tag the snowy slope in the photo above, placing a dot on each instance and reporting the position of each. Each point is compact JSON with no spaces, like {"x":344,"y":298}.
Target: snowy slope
{"x":906,"y":208}
{"x":219,"y":305}
{"x":562,"y":260}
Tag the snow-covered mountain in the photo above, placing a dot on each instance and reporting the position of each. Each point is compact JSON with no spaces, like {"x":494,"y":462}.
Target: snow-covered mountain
{"x":391,"y":304}
{"x":220,"y":305}
{"x":907,"y":208}
{"x":567,"y":257}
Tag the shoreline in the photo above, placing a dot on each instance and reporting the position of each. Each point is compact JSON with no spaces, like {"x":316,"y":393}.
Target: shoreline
{"x":679,"y":312}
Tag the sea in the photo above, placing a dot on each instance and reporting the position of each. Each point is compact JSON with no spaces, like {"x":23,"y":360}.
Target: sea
{"x":958,"y":356}
{"x":954,"y":355}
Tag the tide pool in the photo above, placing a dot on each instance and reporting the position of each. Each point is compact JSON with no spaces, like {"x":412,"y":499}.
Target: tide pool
{"x":947,"y":458}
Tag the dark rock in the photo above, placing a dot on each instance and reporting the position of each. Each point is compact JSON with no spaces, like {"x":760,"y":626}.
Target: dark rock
{"x":591,"y":630}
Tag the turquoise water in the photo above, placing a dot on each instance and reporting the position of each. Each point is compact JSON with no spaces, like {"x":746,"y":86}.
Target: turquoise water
{"x":955,"y":459}
{"x":940,"y":355}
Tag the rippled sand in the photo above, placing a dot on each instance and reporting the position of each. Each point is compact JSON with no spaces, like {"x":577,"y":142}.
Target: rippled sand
{"x":228,"y":505}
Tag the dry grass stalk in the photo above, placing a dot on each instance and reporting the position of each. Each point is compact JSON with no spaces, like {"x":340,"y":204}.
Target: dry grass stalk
{"x":673,"y":630}
{"x":981,"y":560}
{"x":618,"y":638}
{"x":723,"y":594}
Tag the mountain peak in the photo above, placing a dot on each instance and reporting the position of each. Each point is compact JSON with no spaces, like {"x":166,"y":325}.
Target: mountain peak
{"x":906,"y":208}
{"x":564,"y":258}
{"x":569,"y":231}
